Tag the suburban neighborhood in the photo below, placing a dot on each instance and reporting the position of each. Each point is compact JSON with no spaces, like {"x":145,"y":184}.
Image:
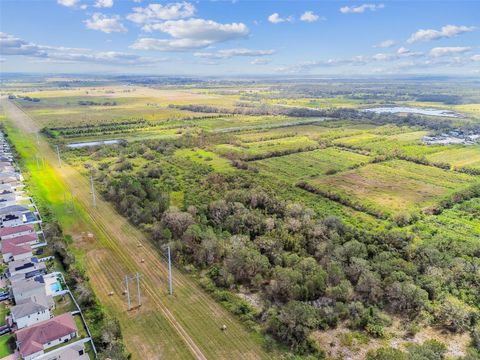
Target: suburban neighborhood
{"x":39,"y":317}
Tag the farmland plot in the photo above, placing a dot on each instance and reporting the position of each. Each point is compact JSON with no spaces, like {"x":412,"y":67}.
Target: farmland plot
{"x":394,"y":186}
{"x":468,"y":157}
{"x":265,"y":149}
{"x":302,"y":166}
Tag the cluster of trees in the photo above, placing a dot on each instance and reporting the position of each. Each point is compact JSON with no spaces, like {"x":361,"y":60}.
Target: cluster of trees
{"x":310,"y":272}
{"x":96,"y":103}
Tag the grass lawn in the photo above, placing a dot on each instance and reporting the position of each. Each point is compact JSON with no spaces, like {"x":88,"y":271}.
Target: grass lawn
{"x":7,"y":345}
{"x":4,"y":310}
{"x":63,"y":304}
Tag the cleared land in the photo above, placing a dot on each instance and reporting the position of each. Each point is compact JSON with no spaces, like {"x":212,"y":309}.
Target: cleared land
{"x":184,"y":326}
{"x":467,"y":156}
{"x":395,"y":185}
{"x":303,"y":166}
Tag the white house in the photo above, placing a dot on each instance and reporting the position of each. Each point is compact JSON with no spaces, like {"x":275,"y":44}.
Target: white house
{"x":29,"y":313}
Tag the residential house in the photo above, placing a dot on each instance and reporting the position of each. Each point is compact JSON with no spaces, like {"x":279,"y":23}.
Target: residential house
{"x":30,"y":267}
{"x":28,"y":313}
{"x":32,"y":341}
{"x":16,"y":215}
{"x":74,"y":351}
{"x":22,"y":288}
{"x":13,"y":252}
{"x":16,"y":231}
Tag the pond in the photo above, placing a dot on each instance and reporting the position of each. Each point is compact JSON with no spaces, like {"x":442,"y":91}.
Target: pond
{"x":92,"y":143}
{"x":414,"y":110}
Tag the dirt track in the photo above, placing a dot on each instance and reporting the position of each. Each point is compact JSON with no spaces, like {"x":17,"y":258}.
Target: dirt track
{"x":190,"y":315}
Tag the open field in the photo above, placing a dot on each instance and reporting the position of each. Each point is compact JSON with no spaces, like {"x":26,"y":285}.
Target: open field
{"x":312,"y":164}
{"x":395,"y":186}
{"x":184,"y":326}
{"x":466,"y":156}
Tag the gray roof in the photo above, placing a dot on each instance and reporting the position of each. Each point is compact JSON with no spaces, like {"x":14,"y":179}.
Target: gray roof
{"x":13,"y":208}
{"x":43,"y":300}
{"x":22,"y":285}
{"x":27,"y":308}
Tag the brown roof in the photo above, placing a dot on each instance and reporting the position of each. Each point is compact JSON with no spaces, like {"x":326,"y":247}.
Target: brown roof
{"x":15,"y":249}
{"x":15,"y":229}
{"x":31,"y":339}
{"x":19,"y":240}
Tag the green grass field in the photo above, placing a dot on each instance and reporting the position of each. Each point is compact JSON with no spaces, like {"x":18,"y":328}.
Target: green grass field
{"x":395,"y":186}
{"x":311,"y":164}
{"x":465,"y":156}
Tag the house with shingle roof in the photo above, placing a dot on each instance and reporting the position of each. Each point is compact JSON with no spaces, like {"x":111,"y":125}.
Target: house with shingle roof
{"x":19,"y":231}
{"x":32,"y":341}
{"x":15,"y":252}
{"x":28,"y":313}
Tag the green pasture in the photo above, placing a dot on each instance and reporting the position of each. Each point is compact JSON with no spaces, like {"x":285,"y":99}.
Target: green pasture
{"x":310,"y":164}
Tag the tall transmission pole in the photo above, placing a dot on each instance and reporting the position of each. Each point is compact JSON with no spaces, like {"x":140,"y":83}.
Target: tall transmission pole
{"x":92,"y":189}
{"x":128,"y":292}
{"x":138,"y":289}
{"x":58,"y":155}
{"x":170,"y":287}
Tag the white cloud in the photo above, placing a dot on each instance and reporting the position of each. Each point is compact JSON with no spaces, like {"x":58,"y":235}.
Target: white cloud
{"x":309,"y":16}
{"x":475,"y":57}
{"x":229,"y":53}
{"x":105,"y":24}
{"x":67,"y":3}
{"x":190,"y":34}
{"x":260,"y":61}
{"x":360,"y":8}
{"x":385,"y":44}
{"x":445,"y":51}
{"x":14,"y":46}
{"x":103,"y":3}
{"x":275,"y":18}
{"x":159,"y":12}
{"x":446,"y":31}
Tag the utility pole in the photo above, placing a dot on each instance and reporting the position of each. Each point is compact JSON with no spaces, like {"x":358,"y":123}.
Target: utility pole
{"x":138,"y":289}
{"x":58,"y":155}
{"x":128,"y":292}
{"x":170,"y":288}
{"x":38,"y":140}
{"x":92,"y":189}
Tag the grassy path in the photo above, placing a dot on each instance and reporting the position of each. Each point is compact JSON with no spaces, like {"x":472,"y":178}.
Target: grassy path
{"x":183,"y":326}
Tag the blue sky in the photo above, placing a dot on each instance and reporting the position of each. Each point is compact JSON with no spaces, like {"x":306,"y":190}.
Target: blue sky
{"x":241,"y":37}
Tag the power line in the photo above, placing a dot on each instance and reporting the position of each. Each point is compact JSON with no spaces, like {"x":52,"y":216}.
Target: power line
{"x":170,"y":287}
{"x":58,"y":155}
{"x":92,"y":190}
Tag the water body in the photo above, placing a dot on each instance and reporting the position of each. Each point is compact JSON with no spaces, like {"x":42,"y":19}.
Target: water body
{"x":92,"y":143}
{"x":413,"y":110}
